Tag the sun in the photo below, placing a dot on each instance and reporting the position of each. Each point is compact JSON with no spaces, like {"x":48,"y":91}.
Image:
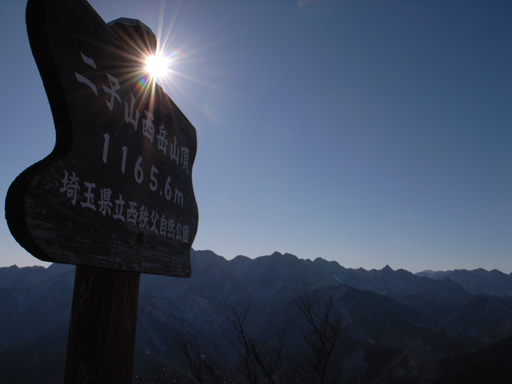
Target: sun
{"x":158,"y":66}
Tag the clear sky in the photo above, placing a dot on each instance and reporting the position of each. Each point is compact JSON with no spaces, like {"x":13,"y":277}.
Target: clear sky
{"x":366,"y":132}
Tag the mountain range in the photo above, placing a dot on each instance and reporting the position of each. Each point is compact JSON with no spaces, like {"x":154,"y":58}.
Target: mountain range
{"x":397,"y":326}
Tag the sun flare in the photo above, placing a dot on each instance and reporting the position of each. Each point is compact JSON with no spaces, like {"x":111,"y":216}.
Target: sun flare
{"x":166,"y":63}
{"x":158,"y":66}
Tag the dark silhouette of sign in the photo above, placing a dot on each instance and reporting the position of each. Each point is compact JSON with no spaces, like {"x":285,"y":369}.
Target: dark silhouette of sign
{"x":116,"y":191}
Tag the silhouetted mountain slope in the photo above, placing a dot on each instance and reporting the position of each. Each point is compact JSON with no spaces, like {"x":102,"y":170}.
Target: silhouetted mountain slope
{"x":439,"y":308}
{"x":35,"y":302}
{"x":395,"y":324}
{"x":376,"y":320}
{"x":488,"y":365}
{"x":494,"y":319}
{"x":39,"y":360}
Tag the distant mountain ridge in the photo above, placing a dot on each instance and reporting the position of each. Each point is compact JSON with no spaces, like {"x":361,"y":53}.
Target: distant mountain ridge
{"x":391,"y":317}
{"x":477,"y":281}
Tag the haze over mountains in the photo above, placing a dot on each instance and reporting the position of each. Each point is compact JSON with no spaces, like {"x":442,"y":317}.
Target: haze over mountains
{"x":396,"y":325}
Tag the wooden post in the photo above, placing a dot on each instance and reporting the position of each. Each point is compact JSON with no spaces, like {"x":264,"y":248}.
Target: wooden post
{"x":53,"y":208}
{"x":101,"y":340}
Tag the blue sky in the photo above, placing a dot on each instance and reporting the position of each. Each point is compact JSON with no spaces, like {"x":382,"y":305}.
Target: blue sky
{"x":366,"y":132}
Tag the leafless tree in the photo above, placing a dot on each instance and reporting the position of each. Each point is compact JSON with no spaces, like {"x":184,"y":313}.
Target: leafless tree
{"x":315,"y":364}
{"x":205,"y":368}
{"x":259,"y":361}
{"x":263,"y":361}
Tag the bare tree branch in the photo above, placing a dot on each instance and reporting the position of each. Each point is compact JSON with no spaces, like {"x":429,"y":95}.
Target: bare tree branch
{"x":260,"y":362}
{"x":263,"y":361}
{"x":320,"y":338}
{"x":204,"y":367}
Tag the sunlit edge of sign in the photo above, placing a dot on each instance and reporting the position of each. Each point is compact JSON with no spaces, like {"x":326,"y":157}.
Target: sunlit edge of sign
{"x":15,"y":199}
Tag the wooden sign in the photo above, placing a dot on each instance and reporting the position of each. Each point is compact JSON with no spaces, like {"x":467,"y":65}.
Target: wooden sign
{"x":116,"y":191}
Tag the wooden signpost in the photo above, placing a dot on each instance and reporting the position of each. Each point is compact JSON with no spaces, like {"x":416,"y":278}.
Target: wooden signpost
{"x":115,"y":197}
